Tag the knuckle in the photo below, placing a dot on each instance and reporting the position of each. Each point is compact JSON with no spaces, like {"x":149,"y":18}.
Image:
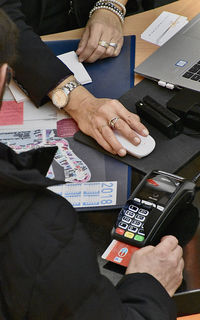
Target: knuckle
{"x":109,"y":52}
{"x":91,"y":45}
{"x":162,"y":254}
{"x":129,"y":119}
{"x":174,"y":263}
{"x":137,"y":118}
{"x":90,"y":60}
{"x":102,"y":110}
{"x":172,"y":239}
{"x":179,"y":277}
{"x":109,"y":136}
{"x":100,"y":50}
{"x":114,"y":102}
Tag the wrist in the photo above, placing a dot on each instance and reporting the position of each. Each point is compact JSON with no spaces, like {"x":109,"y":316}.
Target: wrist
{"x":114,"y":6}
{"x":78,"y":103}
{"x":60,"y":96}
{"x":61,"y":84}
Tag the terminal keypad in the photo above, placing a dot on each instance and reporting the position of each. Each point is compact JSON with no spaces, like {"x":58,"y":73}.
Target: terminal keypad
{"x":130,"y":223}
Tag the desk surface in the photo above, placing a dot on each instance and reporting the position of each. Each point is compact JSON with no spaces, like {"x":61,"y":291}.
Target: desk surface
{"x":136,"y":24}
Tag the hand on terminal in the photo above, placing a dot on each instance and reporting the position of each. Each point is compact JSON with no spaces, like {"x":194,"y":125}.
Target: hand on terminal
{"x":164,"y":262}
{"x":97,"y":117}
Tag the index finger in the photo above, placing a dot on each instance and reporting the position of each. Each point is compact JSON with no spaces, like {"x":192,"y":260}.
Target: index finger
{"x":93,"y":37}
{"x":83,"y":43}
{"x":133,"y":120}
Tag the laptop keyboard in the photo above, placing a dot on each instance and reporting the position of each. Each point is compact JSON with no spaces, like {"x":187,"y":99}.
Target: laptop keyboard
{"x":193,"y":73}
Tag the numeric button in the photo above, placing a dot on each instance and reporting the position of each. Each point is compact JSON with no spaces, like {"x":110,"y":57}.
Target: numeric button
{"x":123,"y":225}
{"x":130,"y":214}
{"x":143,"y":212}
{"x":133,"y":208}
{"x":126,"y":219}
{"x":139,"y":217}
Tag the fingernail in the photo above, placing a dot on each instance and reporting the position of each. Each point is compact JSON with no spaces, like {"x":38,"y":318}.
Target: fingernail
{"x":122,"y":152}
{"x":137,"y":140}
{"x":146,"y":132}
{"x":80,"y":60}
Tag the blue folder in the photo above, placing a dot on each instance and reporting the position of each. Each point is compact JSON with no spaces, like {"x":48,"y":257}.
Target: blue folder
{"x":111,"y":78}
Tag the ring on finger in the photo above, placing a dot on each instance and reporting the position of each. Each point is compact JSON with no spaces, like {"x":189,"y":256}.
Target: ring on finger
{"x":112,"y":122}
{"x":113,"y":44}
{"x":104,"y":44}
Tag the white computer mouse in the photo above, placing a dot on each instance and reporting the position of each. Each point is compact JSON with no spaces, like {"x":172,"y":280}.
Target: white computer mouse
{"x":145,"y":147}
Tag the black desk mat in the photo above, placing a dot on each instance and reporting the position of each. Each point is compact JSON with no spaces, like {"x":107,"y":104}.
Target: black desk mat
{"x":169,"y":154}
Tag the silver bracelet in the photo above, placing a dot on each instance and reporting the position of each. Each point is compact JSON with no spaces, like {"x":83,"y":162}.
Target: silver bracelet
{"x":114,"y":10}
{"x":118,"y":3}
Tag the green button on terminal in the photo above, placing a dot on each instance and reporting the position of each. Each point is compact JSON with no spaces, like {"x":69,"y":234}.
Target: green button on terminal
{"x":139,"y":238}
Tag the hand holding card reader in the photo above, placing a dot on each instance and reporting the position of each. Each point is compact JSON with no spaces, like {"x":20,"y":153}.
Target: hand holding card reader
{"x":151,"y":207}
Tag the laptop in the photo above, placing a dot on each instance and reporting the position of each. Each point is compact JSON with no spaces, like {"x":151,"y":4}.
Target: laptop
{"x":177,"y":62}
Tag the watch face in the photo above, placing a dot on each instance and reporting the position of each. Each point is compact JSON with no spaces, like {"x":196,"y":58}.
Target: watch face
{"x":59,"y":98}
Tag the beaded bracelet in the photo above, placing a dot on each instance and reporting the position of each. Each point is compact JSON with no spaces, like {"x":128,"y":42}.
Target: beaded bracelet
{"x":107,"y":6}
{"x":116,"y":2}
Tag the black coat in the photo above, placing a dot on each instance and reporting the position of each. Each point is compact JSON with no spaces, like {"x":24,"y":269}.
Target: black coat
{"x":48,"y":268}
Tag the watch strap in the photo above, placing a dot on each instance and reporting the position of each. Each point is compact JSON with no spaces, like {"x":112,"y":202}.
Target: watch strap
{"x":70,"y":86}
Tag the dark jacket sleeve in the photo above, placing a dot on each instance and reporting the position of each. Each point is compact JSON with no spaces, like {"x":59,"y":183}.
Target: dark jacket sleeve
{"x":37,"y":69}
{"x":143,"y":297}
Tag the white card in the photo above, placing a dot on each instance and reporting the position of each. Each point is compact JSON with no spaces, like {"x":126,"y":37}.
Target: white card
{"x":70,"y":59}
{"x":164,"y":27}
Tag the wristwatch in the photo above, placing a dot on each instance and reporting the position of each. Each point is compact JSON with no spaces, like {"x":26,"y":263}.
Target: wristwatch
{"x":60,"y":96}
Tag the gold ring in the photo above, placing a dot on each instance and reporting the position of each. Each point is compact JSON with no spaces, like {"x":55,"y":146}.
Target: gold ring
{"x":104,"y":44}
{"x":112,"y":122}
{"x":113,"y":44}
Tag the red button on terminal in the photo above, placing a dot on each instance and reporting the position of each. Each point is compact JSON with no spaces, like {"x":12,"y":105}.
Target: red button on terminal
{"x":120,"y":231}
